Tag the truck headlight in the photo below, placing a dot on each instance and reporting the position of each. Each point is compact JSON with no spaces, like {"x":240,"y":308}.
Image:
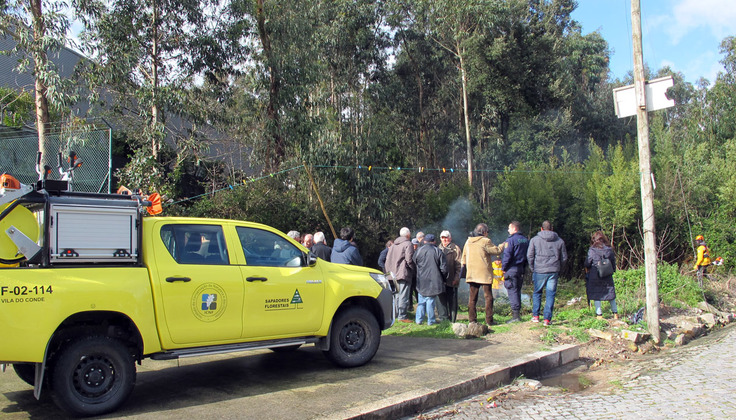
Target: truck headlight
{"x":381,"y":279}
{"x":385,"y":282}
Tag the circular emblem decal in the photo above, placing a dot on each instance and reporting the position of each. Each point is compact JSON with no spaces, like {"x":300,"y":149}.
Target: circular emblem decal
{"x":209,"y":302}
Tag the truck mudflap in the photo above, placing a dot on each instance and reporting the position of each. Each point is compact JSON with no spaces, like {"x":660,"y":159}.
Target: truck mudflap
{"x":388,"y":307}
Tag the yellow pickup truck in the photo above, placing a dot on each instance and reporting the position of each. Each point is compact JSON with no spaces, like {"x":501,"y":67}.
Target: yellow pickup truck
{"x":98,"y":287}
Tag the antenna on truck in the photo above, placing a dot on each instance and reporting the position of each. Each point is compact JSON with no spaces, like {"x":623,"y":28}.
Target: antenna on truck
{"x":42,"y":171}
{"x":68,"y":174}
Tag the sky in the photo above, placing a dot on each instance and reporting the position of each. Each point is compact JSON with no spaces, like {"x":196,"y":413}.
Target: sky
{"x":683,"y":34}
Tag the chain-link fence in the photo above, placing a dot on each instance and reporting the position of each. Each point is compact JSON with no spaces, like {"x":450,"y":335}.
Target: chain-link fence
{"x":18,"y":158}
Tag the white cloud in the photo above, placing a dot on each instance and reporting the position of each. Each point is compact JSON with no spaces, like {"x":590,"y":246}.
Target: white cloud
{"x":716,"y":16}
{"x":703,"y":65}
{"x":713,"y":71}
{"x":668,"y":63}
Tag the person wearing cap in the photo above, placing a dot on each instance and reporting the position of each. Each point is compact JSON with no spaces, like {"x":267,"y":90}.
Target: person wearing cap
{"x":400,"y":264}
{"x":478,"y":253}
{"x":431,"y":276}
{"x":703,"y":257}
{"x":447,"y":308}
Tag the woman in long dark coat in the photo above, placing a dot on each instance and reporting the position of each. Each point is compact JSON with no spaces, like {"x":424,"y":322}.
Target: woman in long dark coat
{"x":600,"y":288}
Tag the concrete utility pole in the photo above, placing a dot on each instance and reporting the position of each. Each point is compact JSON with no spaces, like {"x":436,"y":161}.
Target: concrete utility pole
{"x":647,"y":190}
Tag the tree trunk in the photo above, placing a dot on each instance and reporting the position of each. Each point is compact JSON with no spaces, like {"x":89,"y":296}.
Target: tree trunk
{"x":272,"y":111}
{"x":428,"y":152}
{"x":468,"y":142}
{"x":154,"y":83}
{"x":40,"y":63}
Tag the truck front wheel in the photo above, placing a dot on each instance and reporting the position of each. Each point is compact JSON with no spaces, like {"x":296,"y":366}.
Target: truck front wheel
{"x":354,"y":337}
{"x":92,"y":376}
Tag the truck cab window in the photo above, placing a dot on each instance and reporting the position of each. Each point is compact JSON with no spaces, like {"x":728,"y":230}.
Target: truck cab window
{"x":195,"y":244}
{"x":267,"y":249}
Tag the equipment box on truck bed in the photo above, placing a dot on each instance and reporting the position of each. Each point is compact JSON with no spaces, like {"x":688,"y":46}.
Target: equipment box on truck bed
{"x":87,"y":233}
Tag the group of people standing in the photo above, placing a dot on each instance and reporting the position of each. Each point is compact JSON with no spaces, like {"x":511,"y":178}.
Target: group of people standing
{"x":343,"y":251}
{"x":435,"y":271}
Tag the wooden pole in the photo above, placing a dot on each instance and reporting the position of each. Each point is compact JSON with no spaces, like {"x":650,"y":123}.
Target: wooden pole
{"x":647,"y":190}
{"x":321,"y":204}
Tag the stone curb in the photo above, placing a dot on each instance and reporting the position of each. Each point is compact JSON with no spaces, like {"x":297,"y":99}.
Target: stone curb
{"x":491,"y":377}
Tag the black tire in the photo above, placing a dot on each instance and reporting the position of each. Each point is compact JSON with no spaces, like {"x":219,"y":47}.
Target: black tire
{"x":285,"y":349}
{"x":26,"y":371}
{"x":92,"y":376}
{"x":354,"y":337}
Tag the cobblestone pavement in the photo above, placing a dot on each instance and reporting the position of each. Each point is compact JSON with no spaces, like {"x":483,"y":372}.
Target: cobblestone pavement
{"x":695,"y":381}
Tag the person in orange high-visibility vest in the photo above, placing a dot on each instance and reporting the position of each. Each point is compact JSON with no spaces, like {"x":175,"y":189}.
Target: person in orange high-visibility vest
{"x":703,"y":257}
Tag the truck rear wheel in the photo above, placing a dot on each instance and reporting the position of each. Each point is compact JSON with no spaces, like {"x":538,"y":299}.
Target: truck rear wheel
{"x":92,"y":376}
{"x":354,"y":337}
{"x":26,"y":371}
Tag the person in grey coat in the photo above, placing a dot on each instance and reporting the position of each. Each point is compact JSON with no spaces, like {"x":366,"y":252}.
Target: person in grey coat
{"x":546,"y":255}
{"x":431,"y":275}
{"x":400,"y":264}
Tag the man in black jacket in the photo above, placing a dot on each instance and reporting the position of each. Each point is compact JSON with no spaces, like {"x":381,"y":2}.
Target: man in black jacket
{"x":546,"y":254}
{"x":383,"y":255}
{"x":320,"y":248}
{"x":431,"y":275}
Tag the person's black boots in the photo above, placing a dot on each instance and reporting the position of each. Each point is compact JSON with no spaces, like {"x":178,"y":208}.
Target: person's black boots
{"x":515,"y":317}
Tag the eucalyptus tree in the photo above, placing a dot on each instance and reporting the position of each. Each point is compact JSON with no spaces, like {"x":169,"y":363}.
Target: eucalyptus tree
{"x":38,"y":28}
{"x":454,"y":25}
{"x":143,"y":58}
{"x":351,"y":45}
{"x":722,"y":97}
{"x":278,"y":62}
{"x":423,"y":93}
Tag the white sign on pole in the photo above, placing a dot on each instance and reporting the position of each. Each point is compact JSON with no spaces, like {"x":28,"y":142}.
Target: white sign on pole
{"x":656,"y":90}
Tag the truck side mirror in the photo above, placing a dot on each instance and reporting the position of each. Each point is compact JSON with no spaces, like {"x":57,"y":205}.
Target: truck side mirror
{"x":311,"y":259}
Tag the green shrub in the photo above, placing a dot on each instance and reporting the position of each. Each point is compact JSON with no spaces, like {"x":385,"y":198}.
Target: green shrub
{"x":675,"y":289}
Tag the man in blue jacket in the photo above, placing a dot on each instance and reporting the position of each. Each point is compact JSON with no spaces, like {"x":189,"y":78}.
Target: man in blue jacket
{"x":344,"y":250}
{"x":514,"y":262}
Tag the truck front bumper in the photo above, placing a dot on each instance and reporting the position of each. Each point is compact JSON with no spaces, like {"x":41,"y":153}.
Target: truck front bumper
{"x":388,"y":308}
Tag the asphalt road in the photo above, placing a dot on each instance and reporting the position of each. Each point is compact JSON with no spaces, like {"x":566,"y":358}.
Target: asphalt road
{"x":407,"y":375}
{"x":695,"y":381}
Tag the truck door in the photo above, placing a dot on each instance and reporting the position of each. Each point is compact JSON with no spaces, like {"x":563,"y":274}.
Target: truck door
{"x":283,"y":296}
{"x":201,"y":293}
